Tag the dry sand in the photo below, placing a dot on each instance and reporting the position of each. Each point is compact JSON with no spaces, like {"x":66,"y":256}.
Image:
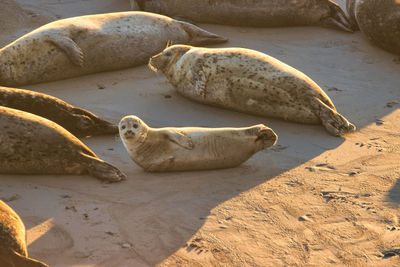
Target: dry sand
{"x":313,"y":200}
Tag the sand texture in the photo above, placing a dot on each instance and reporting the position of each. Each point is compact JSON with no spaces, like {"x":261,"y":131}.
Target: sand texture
{"x":312,"y":200}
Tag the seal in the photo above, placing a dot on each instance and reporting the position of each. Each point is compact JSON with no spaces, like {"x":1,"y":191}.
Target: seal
{"x":379,"y":21}
{"x":34,"y":145}
{"x":261,"y":13}
{"x":191,"y":148}
{"x":94,"y":43}
{"x":248,"y":81}
{"x":13,"y":250}
{"x":76,"y":120}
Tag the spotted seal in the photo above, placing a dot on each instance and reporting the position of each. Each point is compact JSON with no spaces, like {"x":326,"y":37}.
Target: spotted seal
{"x":93,"y":43}
{"x":249,"y":81}
{"x":191,"y":148}
{"x":76,"y":120}
{"x":378,"y":20}
{"x":13,"y":250}
{"x":261,"y":13}
{"x":30,"y":144}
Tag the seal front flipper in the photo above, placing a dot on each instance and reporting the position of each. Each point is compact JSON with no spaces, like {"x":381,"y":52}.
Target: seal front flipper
{"x":67,"y":45}
{"x":161,"y":164}
{"x":10,"y":257}
{"x":179,"y":138}
{"x":334,"y":123}
{"x":101,"y":169}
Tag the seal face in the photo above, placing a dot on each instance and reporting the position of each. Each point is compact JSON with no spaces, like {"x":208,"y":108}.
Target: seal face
{"x":379,"y":21}
{"x":261,"y":13}
{"x":191,"y":148}
{"x":34,"y":145}
{"x":93,"y":43}
{"x":248,"y":81}
{"x":13,"y":250}
{"x":76,"y":120}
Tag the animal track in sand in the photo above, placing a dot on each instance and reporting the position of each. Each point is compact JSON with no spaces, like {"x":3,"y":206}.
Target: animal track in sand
{"x":373,"y":143}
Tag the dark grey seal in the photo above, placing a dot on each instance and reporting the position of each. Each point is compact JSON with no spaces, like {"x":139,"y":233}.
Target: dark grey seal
{"x":13,"y":252}
{"x":78,"y":121}
{"x":94,"y":43}
{"x":378,"y":20}
{"x":260,"y":13}
{"x":30,"y":144}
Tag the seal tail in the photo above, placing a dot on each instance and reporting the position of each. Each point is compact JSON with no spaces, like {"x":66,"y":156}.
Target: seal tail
{"x":333,"y":122}
{"x":266,"y":137}
{"x":102,"y":170}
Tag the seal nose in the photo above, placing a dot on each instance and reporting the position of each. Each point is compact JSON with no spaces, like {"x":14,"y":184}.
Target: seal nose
{"x":129,"y":133}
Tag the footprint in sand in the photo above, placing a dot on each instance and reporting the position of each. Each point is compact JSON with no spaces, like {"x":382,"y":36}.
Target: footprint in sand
{"x":321,"y":167}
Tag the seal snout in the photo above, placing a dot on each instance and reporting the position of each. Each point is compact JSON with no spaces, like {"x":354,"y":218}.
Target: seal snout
{"x":129,"y":134}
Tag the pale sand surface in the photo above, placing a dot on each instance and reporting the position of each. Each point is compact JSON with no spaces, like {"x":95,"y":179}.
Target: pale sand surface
{"x":313,"y":200}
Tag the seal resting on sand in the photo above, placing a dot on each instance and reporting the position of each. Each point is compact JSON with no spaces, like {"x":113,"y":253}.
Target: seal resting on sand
{"x":191,"y":148}
{"x":378,"y":20}
{"x":88,"y":44}
{"x":13,"y":250}
{"x":261,"y":13}
{"x":30,"y":144}
{"x":249,"y":81}
{"x":76,"y":120}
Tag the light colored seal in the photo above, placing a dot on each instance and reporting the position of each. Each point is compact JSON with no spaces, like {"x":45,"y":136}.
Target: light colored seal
{"x":261,"y":13}
{"x":78,"y":121}
{"x":13,"y":250}
{"x":248,"y":81}
{"x":378,"y":20}
{"x":30,"y":144}
{"x":191,"y":148}
{"x":93,"y":43}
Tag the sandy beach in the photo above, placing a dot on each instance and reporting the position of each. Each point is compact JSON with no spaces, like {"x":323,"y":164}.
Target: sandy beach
{"x":312,"y":200}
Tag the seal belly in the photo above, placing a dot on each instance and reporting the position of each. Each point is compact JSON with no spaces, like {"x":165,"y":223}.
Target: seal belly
{"x":213,"y":151}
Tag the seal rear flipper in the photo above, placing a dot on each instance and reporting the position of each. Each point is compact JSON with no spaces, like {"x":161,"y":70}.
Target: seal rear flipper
{"x":334,"y":123}
{"x":265,"y":136}
{"x":183,"y":18}
{"x":102,"y":170}
{"x":199,"y":36}
{"x":180,"y":139}
{"x":350,"y":7}
{"x":337,"y":19}
{"x":69,"y":47}
{"x":12,"y":258}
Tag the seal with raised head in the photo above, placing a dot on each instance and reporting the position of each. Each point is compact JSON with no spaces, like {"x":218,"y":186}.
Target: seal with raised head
{"x":93,"y":43}
{"x":378,"y":20}
{"x":261,"y":13}
{"x":249,"y":81}
{"x":13,"y":250}
{"x":76,"y":120}
{"x":30,"y":144}
{"x":191,"y":148}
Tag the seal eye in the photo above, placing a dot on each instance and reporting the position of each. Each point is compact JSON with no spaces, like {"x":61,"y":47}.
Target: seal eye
{"x":135,"y":126}
{"x":123,"y":127}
